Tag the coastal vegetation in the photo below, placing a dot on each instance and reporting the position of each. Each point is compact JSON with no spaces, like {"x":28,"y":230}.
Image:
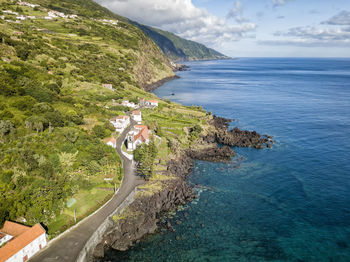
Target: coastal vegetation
{"x":54,"y":110}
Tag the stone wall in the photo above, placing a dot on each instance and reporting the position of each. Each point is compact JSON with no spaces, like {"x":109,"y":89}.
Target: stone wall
{"x":95,"y":239}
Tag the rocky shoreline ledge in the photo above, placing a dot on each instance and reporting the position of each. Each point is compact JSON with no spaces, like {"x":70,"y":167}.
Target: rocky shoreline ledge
{"x":143,"y":215}
{"x":155,"y":85}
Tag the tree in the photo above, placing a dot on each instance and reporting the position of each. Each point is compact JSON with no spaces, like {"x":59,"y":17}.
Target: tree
{"x":55,"y":118}
{"x":6,"y":127}
{"x":67,"y":159}
{"x":42,"y":108}
{"x":99,"y":131}
{"x":74,"y":117}
{"x":71,"y":134}
{"x":36,"y":123}
{"x":24,"y":103}
{"x":145,"y":156}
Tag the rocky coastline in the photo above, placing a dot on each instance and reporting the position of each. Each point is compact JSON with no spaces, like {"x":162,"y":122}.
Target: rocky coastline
{"x":155,"y":85}
{"x":181,"y":67}
{"x":144,"y":213}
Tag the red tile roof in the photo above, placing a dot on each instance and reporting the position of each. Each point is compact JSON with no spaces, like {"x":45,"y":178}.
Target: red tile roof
{"x":14,"y":229}
{"x":23,"y":236}
{"x":112,"y":139}
{"x":136,"y":112}
{"x":143,"y":134}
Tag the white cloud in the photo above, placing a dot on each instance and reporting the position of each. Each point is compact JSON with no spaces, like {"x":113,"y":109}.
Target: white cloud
{"x":343,"y":18}
{"x":182,"y":18}
{"x":236,"y":12}
{"x":279,"y":2}
{"x":325,"y":34}
{"x":312,"y":36}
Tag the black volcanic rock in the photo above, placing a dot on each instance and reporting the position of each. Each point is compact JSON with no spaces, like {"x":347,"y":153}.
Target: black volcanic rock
{"x":215,"y":154}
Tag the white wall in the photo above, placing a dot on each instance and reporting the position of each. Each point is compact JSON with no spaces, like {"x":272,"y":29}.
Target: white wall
{"x":29,"y":250}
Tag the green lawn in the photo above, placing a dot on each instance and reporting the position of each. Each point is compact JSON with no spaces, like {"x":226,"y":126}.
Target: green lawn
{"x":86,"y":203}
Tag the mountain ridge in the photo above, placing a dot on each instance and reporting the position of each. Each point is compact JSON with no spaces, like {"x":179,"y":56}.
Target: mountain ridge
{"x":177,"y":48}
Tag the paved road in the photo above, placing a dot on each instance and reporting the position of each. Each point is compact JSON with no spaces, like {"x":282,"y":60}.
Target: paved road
{"x":68,"y":247}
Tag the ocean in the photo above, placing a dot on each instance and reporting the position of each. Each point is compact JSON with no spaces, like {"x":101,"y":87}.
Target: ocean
{"x":288,"y":203}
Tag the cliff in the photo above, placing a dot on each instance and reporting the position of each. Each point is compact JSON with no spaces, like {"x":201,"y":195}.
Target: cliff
{"x":177,"y":48}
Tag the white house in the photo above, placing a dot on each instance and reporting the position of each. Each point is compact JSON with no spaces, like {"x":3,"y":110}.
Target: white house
{"x":137,"y":116}
{"x":112,"y":142}
{"x":9,"y":12}
{"x":137,"y":136}
{"x":21,"y":17}
{"x":27,"y":4}
{"x":108,"y":86}
{"x":151,"y":103}
{"x":120,"y":123}
{"x":128,"y":104}
{"x":21,"y":242}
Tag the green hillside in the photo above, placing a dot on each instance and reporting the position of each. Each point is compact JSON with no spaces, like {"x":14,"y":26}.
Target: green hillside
{"x":179,"y":49}
{"x":55,"y":111}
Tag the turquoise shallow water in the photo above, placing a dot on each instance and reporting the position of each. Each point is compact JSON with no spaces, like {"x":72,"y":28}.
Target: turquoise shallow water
{"x":289,"y":203}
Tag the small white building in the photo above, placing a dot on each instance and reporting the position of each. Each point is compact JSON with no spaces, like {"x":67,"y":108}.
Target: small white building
{"x":108,"y":86}
{"x":137,"y":116}
{"x":128,"y":104}
{"x":120,"y":123}
{"x":21,"y":17}
{"x":112,"y":142}
{"x":21,"y":242}
{"x":151,"y":103}
{"x":137,"y":136}
{"x":27,"y":4}
{"x":9,"y":12}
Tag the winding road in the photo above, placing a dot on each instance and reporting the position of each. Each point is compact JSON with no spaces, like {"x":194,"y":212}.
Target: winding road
{"x":66,"y":248}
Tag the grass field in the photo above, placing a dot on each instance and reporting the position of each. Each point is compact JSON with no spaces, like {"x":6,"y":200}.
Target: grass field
{"x":87,"y":201}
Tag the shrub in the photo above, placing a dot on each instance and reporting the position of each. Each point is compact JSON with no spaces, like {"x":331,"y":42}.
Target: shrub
{"x":42,"y":108}
{"x":24,"y":103}
{"x":71,"y":134}
{"x":55,"y":118}
{"x":99,"y":131}
{"x":6,"y":114}
{"x":74,"y":117}
{"x":6,"y":127}
{"x":40,"y":94}
{"x":6,"y":176}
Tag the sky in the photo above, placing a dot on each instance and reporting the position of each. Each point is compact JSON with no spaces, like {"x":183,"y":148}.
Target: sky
{"x":250,"y":28}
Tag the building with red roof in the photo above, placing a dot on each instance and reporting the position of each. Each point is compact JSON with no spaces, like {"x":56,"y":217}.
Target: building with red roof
{"x":111,"y":142}
{"x":138,"y":136}
{"x":20,"y":242}
{"x":120,"y":122}
{"x":151,"y":103}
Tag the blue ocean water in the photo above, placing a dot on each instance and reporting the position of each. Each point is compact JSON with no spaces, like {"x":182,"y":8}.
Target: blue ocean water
{"x":288,"y":203}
